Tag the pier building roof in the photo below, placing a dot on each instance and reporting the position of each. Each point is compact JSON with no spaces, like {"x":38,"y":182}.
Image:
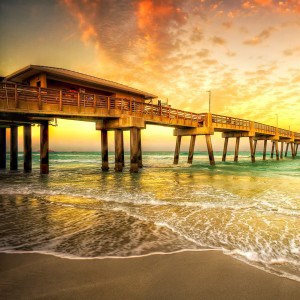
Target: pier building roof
{"x":25,"y":74}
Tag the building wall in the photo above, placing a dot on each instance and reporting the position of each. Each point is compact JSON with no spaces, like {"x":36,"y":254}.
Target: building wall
{"x":39,"y":80}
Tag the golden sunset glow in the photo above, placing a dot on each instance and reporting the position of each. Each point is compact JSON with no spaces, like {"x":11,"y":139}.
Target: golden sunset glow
{"x":246,"y":52}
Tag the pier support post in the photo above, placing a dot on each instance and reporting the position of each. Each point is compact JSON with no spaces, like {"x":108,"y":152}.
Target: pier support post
{"x":140,"y":154}
{"x":286,"y":149}
{"x":281,"y":150}
{"x":293,"y":150}
{"x":236,"y":151}
{"x":296,"y":151}
{"x":134,"y":166}
{"x":276,"y":150}
{"x":265,"y":149}
{"x":44,"y":148}
{"x":255,"y":146}
{"x":118,"y":150}
{"x":177,"y":150}
{"x":225,"y":149}
{"x":14,"y":147}
{"x":104,"y":150}
{"x":2,"y":148}
{"x":122,"y":144}
{"x":27,"y":148}
{"x":191,"y":150}
{"x":252,"y":149}
{"x":210,"y":150}
{"x":272,"y":151}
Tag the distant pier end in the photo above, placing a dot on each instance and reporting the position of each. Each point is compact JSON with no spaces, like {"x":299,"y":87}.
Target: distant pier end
{"x":38,"y":94}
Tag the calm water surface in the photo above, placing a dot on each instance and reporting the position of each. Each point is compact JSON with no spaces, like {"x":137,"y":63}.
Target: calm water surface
{"x":249,"y":211}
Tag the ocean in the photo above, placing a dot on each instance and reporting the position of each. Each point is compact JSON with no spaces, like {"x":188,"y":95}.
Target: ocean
{"x":249,"y":211}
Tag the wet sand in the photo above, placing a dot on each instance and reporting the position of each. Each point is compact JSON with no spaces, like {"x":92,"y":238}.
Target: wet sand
{"x":185,"y":275}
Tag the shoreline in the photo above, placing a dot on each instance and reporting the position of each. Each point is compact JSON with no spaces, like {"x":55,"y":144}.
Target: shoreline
{"x":204,"y":274}
{"x":240,"y":259}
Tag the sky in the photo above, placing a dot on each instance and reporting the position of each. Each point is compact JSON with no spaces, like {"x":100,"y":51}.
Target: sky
{"x":246,"y":52}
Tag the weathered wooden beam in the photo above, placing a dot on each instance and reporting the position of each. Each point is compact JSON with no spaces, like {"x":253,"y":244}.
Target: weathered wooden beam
{"x":44,"y":148}
{"x":276,"y":150}
{"x":2,"y":148}
{"x":177,"y":150}
{"x":14,"y":147}
{"x":210,"y":150}
{"x":60,"y":100}
{"x":286,"y":149}
{"x":27,"y":148}
{"x":265,"y":149}
{"x":104,"y":150}
{"x":225,"y":149}
{"x":252,"y":151}
{"x":140,"y":153}
{"x":272,"y":151}
{"x":118,"y":150}
{"x":281,"y":150}
{"x":293,"y":150}
{"x":191,"y":149}
{"x":134,"y":166}
{"x":122,"y":149}
{"x":255,"y":146}
{"x":236,"y":151}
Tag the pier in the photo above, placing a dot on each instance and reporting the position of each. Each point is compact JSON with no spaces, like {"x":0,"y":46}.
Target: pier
{"x":39,"y":94}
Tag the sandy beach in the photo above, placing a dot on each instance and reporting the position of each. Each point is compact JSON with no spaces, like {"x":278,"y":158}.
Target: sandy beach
{"x":185,"y":275}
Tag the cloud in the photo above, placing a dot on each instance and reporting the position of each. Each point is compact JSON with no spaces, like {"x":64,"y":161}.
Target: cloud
{"x":264,"y":35}
{"x":202,"y":53}
{"x":292,"y":51}
{"x":197,"y":35}
{"x":216,"y":40}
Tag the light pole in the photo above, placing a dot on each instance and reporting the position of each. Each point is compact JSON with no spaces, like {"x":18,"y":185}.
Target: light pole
{"x":209,"y":100}
{"x":276,"y":120}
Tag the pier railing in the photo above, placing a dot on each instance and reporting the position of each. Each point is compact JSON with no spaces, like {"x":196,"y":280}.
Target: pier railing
{"x":12,"y":95}
{"x":224,"y":121}
{"x":17,"y":96}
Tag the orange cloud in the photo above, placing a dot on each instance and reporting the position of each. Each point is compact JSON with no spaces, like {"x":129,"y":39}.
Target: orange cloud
{"x":155,"y":19}
{"x":218,"y":41}
{"x":265,"y":34}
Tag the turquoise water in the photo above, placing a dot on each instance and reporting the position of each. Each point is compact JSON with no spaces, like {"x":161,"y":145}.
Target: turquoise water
{"x":249,"y":211}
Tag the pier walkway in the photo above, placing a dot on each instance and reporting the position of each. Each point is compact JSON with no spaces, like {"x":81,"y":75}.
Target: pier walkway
{"x":24,"y":105}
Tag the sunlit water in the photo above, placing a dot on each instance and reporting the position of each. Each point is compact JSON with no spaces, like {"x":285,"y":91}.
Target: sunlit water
{"x":250,"y":211}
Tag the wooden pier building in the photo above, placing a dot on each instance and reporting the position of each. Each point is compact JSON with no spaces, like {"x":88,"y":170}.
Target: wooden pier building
{"x":38,"y":94}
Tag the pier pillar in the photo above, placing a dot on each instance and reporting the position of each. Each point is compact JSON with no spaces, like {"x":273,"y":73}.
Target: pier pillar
{"x":2,"y":148}
{"x":210,"y":150}
{"x":134,"y":166}
{"x":293,"y":150}
{"x":286,"y":149}
{"x":177,"y":150}
{"x":265,"y":149}
{"x":44,"y":148}
{"x":104,"y":150}
{"x":122,"y":145}
{"x":118,"y":150}
{"x":225,"y":149}
{"x":140,"y":154}
{"x":276,"y":149}
{"x":272,"y":151}
{"x":252,"y":149}
{"x":14,"y":147}
{"x":27,"y":148}
{"x":255,"y":146}
{"x":296,"y":151}
{"x":281,"y":150}
{"x":191,"y":150}
{"x":236,"y":151}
